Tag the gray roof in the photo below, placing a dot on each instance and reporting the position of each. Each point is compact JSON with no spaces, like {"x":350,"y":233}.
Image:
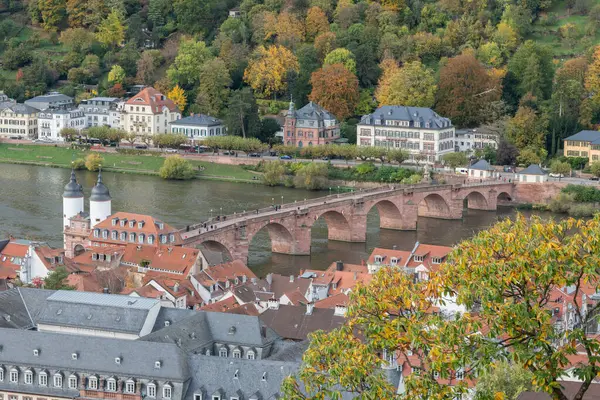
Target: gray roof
{"x":50,"y":97}
{"x":35,"y":300}
{"x":203,"y":328}
{"x":533,"y":169}
{"x":100,"y":191}
{"x":313,"y":111}
{"x":172,"y":315}
{"x":102,"y":99}
{"x":73,"y":189}
{"x":116,"y":313}
{"x":198,"y":120}
{"x":13,"y":312}
{"x":94,"y":354}
{"x":241,"y":377}
{"x":482,"y":165}
{"x":18,"y":108}
{"x":292,"y":322}
{"x":412,"y":114}
{"x":586,"y":136}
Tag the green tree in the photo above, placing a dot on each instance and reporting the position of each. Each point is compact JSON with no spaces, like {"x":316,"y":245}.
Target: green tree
{"x":508,"y":379}
{"x":241,"y":114}
{"x":186,"y":68}
{"x":527,"y":128}
{"x":412,"y":85}
{"x":532,"y":65}
{"x":274,"y":173}
{"x":312,"y":176}
{"x":169,"y":140}
{"x":213,"y":89}
{"x":177,"y":167}
{"x":531,"y":155}
{"x":595,"y":168}
{"x":116,"y":74}
{"x":454,"y":160}
{"x":94,"y":161}
{"x":52,"y":13}
{"x":341,"y":56}
{"x":560,"y":167}
{"x":111,"y":31}
{"x":57,"y":279}
{"x":69,"y":134}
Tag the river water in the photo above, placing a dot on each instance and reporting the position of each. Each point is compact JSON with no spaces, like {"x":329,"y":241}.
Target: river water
{"x":31,"y":208}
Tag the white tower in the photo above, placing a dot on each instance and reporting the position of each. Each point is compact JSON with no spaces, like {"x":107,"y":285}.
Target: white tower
{"x":100,"y":202}
{"x":72,"y":199}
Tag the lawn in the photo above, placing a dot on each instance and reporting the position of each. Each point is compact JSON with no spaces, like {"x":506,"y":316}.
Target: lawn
{"x":149,"y":164}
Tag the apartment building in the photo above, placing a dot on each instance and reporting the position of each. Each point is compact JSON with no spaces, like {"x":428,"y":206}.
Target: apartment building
{"x":469,"y":140}
{"x":101,"y":111}
{"x":148,"y":113}
{"x":583,"y":144}
{"x":18,"y":120}
{"x":425,"y":135}
{"x":52,"y":121}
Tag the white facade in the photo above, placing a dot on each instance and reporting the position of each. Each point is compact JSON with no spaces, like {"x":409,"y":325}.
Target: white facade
{"x":421,"y":132}
{"x":526,"y":178}
{"x":102,"y":111}
{"x":198,"y":127}
{"x":18,"y":120}
{"x":52,"y":121}
{"x":469,"y":140}
{"x":148,"y":113}
{"x":99,"y":211}
{"x":71,"y":207}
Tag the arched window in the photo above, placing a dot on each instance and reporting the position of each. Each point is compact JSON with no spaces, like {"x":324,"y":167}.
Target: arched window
{"x":130,"y":386}
{"x":223,"y":352}
{"x":93,"y":383}
{"x":237,"y":354}
{"x":73,"y":382}
{"x":167,"y":391}
{"x":250,"y":355}
{"x":111,"y":385}
{"x":1,"y":374}
{"x":58,"y":380}
{"x":14,"y":375}
{"x":123,"y":236}
{"x":28,"y":377}
{"x":132,"y":237}
{"x":113,"y":235}
{"x":151,"y":390}
{"x":141,"y":238}
{"x":150,"y":239}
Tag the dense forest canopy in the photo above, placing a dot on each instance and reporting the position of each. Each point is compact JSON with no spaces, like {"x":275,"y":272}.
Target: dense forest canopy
{"x":527,"y":68}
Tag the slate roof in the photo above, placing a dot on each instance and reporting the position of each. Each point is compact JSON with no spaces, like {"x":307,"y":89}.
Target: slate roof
{"x":533,"y":169}
{"x":482,"y":165}
{"x":586,"y":136}
{"x":50,"y":97}
{"x":313,"y":111}
{"x":13,"y":312}
{"x":411,"y":114}
{"x":18,"y":108}
{"x":97,"y":311}
{"x":238,"y":377}
{"x":292,"y":322}
{"x":94,"y":354}
{"x":198,"y":120}
{"x":35,"y":300}
{"x":172,"y":315}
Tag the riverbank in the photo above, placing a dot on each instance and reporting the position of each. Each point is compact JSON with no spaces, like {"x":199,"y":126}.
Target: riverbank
{"x":61,"y":157}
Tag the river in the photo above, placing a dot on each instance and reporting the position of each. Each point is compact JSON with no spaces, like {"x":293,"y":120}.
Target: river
{"x":31,"y":208}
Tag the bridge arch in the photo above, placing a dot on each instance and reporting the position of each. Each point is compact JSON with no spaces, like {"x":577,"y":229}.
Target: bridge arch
{"x":476,"y":200}
{"x":216,"y":248}
{"x":338,"y":227}
{"x":434,"y":206}
{"x":504,"y":197}
{"x":282,"y":240}
{"x":390,"y":216}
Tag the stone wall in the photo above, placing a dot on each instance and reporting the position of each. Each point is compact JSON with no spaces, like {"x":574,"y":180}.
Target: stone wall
{"x":537,"y":193}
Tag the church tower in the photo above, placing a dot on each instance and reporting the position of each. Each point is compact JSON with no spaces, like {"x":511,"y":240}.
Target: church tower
{"x":72,"y":199}
{"x":100,"y":202}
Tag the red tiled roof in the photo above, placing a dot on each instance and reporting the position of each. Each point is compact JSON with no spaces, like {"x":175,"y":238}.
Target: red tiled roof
{"x":348,"y":268}
{"x":339,"y":299}
{"x":8,"y":256}
{"x":222,"y":306}
{"x":174,"y":260}
{"x":150,"y":226}
{"x":84,"y":283}
{"x":427,"y":251}
{"x":15,"y":250}
{"x":224,"y":272}
{"x":296,"y":298}
{"x":145,"y":291}
{"x":153,"y":98}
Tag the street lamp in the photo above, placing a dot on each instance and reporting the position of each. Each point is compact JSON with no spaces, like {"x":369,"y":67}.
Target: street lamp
{"x":273,"y":201}
{"x":330,"y":191}
{"x":211,"y":213}
{"x":282,"y":201}
{"x":221,"y":213}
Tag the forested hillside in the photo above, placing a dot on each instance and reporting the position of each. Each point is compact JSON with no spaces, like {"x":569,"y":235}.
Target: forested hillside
{"x":525,"y":68}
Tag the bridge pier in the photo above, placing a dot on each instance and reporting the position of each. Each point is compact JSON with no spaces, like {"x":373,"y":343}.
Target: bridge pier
{"x":297,"y":245}
{"x":404,"y":221}
{"x":349,"y":228}
{"x":476,"y":201}
{"x":434,"y":209}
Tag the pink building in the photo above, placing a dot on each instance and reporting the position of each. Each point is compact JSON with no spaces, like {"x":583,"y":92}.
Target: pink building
{"x":310,"y":126}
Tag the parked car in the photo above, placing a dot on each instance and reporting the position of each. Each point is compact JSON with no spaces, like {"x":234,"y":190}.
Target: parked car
{"x":227,"y":153}
{"x":254,"y":155}
{"x":171,"y":151}
{"x":325,"y":158}
{"x":507,"y":168}
{"x":285,"y":157}
{"x":141,"y":146}
{"x":554,"y":175}
{"x":16,"y":137}
{"x":594,"y":178}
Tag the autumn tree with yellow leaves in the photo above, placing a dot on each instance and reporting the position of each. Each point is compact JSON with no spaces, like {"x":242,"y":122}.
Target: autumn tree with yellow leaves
{"x":268,"y":69}
{"x":177,"y":94}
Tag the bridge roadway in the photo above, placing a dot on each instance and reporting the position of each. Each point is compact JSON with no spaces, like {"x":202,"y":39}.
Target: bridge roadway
{"x":289,"y":225}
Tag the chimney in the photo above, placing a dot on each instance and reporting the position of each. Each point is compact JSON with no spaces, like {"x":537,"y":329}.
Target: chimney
{"x":309,"y":308}
{"x":339,"y":266}
{"x":105,"y":290}
{"x":291,"y":278}
{"x":394,"y":247}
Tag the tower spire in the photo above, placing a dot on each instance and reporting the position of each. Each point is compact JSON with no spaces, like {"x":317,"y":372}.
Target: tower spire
{"x":292,"y":108}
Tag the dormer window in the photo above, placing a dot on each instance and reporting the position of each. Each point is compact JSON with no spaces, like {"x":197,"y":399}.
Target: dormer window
{"x":250,"y":355}
{"x":237,"y":354}
{"x":132,"y":237}
{"x":163,"y":238}
{"x":167,"y":391}
{"x":171,"y":238}
{"x":43,"y":379}
{"x":123,"y":221}
{"x":114,"y":221}
{"x":104,"y":234}
{"x":96,"y":232}
{"x":151,"y":239}
{"x":123,"y":236}
{"x":141,"y":238}
{"x":394,"y":260}
{"x":130,"y":386}
{"x":28,"y":377}
{"x":378,"y":259}
{"x":131,"y":224}
{"x":72,"y":382}
{"x":460,"y":374}
{"x":111,"y":385}
{"x":1,"y":374}
{"x":14,"y":375}
{"x":418,"y":258}
{"x":113,"y":235}
{"x":436,"y":260}
{"x":223,"y":352}
{"x":151,"y":390}
{"x":140,"y":224}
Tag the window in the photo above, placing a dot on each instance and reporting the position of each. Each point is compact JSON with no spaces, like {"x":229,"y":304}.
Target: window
{"x":237,"y":354}
{"x":223,"y":352}
{"x":171,"y":238}
{"x":132,"y":237}
{"x":460,"y":375}
{"x":151,"y":390}
{"x":394,"y":260}
{"x":72,"y":382}
{"x":113,"y":235}
{"x":197,"y":396}
{"x":28,"y":377}
{"x":378,"y":259}
{"x":418,"y":258}
{"x":43,"y":379}
{"x":167,"y":391}
{"x":250,"y":355}
{"x":151,"y":239}
{"x":96,"y":232}
{"x":111,"y":385}
{"x":1,"y":374}
{"x":130,"y":386}
{"x":58,"y":380}
{"x":93,"y":383}
{"x":141,"y":238}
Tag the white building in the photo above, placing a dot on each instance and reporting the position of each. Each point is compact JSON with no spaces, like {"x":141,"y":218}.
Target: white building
{"x":419,"y":131}
{"x":101,"y":111}
{"x":469,"y":140}
{"x":532,"y":174}
{"x":198,"y":127}
{"x":481,"y":169}
{"x":18,"y":120}
{"x":50,"y":100}
{"x":52,"y":120}
{"x":148,"y":113}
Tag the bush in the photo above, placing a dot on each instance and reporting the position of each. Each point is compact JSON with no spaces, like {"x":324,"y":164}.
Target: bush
{"x":177,"y":167}
{"x":562,"y":203}
{"x":312,"y":176}
{"x":364,"y":168}
{"x":78,"y":164}
{"x":274,"y":173}
{"x":94,"y":161}
{"x":583,"y":194}
{"x":582,"y":210}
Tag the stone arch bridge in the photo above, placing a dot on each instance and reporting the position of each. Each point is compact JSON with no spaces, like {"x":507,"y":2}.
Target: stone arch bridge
{"x":289,"y":227}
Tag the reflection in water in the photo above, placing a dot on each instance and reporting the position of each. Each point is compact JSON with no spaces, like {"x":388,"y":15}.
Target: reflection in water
{"x":31,"y":207}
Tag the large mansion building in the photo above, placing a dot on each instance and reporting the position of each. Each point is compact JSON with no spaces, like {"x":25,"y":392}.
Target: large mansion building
{"x":420,"y":131}
{"x":310,"y":126}
{"x":583,"y":144}
{"x":149,"y":112}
